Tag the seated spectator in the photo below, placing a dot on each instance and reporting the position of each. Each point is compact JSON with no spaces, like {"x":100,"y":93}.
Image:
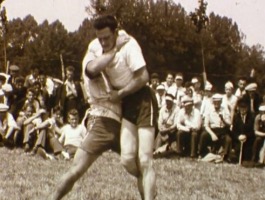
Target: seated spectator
{"x":167,"y":128}
{"x":259,"y":128}
{"x":188,"y":124}
{"x":217,"y":123}
{"x":73,"y":133}
{"x":7,"y":126}
{"x":52,"y":127}
{"x":41,"y":95}
{"x":243,"y":130}
{"x":27,"y":120}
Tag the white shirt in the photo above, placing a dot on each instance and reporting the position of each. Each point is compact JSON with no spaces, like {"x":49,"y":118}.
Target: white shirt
{"x":72,"y":136}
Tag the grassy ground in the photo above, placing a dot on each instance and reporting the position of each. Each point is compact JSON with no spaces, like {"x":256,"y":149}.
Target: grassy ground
{"x":24,"y":177}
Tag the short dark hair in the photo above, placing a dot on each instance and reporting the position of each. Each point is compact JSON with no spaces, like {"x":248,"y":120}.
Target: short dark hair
{"x":105,"y":21}
{"x":70,"y":68}
{"x":73,"y":112}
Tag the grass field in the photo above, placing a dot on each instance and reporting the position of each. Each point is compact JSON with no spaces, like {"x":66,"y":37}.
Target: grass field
{"x":24,"y":177}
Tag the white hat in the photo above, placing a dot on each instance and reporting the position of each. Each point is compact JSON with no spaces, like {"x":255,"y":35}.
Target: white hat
{"x":208,"y":86}
{"x":187,"y":100}
{"x":160,"y":87}
{"x":262,"y":107}
{"x":179,"y":77}
{"x":169,"y":97}
{"x":194,"y":80}
{"x":229,"y":85}
{"x":217,"y":97}
{"x":251,"y":87}
{"x":3,"y":107}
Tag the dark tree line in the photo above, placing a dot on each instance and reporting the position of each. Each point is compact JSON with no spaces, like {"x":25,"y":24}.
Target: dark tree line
{"x":164,"y":30}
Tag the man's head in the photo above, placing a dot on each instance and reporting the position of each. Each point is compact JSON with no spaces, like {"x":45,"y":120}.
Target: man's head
{"x":196,"y":82}
{"x":169,"y":79}
{"x":251,"y":89}
{"x":70,"y":70}
{"x":179,"y":79}
{"x":73,"y":118}
{"x":243,"y":106}
{"x":14,"y":70}
{"x":229,"y":88}
{"x":217,"y":101}
{"x":19,"y":82}
{"x":29,"y":110}
{"x":169,"y":100}
{"x":242,"y":82}
{"x":160,"y":90}
{"x":106,"y":31}
{"x":35,"y":71}
{"x":30,"y":94}
{"x":187,"y":103}
{"x":154,"y":80}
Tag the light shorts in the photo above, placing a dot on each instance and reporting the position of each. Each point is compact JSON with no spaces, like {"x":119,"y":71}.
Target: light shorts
{"x":140,"y":108}
{"x":103,"y":134}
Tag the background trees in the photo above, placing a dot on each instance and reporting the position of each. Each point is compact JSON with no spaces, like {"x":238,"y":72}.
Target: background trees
{"x":163,"y":29}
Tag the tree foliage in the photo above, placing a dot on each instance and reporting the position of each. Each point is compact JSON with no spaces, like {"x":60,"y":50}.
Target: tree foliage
{"x":163,"y":29}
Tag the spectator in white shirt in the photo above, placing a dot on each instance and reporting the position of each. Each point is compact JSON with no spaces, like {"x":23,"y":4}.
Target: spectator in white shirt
{"x":188,"y":124}
{"x":72,"y":134}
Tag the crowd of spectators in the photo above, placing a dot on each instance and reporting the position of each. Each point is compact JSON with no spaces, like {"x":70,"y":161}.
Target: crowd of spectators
{"x":197,"y":122}
{"x":42,"y":114}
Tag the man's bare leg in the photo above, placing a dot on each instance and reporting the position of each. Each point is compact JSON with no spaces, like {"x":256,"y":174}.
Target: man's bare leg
{"x":129,"y":151}
{"x":146,"y":144}
{"x":82,"y":161}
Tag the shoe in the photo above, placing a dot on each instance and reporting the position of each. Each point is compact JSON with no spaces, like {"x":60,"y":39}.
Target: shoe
{"x":66,"y":155}
{"x":26,"y":148}
{"x":41,"y":152}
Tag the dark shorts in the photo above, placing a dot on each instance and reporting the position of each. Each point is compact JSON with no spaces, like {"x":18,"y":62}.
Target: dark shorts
{"x":103,"y":134}
{"x":140,"y":108}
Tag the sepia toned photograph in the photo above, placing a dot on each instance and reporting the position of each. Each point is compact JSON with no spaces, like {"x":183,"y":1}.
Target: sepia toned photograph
{"x":132,"y":99}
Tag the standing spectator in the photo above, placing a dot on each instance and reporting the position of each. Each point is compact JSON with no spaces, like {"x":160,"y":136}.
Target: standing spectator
{"x":167,"y":128}
{"x":72,"y":134}
{"x":229,"y":99}
{"x":169,"y":83}
{"x":254,"y":99}
{"x":71,"y":94}
{"x":32,"y":77}
{"x":243,"y":130}
{"x":216,"y":124}
{"x":14,"y":73}
{"x":160,"y":96}
{"x":207,"y":102}
{"x":178,"y":91}
{"x":154,"y":81}
{"x":242,"y":83}
{"x":259,"y":128}
{"x":188,"y":124}
{"x":197,"y":92}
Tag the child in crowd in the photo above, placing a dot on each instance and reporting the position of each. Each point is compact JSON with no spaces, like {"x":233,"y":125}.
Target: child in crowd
{"x":73,"y":133}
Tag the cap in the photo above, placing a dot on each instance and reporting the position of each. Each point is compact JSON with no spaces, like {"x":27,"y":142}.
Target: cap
{"x":229,"y":85}
{"x":217,"y":97}
{"x":187,"y":100}
{"x":194,"y":80}
{"x":3,"y":107}
{"x":251,"y":87}
{"x":14,"y":68}
{"x":160,"y":87}
{"x":179,"y":77}
{"x":208,"y":86}
{"x":169,"y":97}
{"x":262,"y":107}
